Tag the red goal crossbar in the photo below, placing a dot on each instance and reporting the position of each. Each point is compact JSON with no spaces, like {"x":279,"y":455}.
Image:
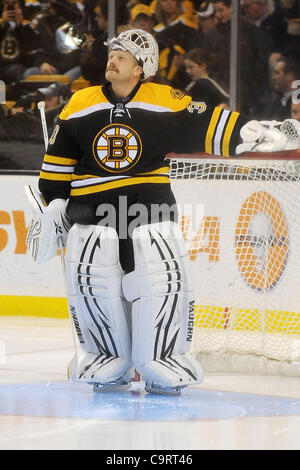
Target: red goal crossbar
{"x":284,"y":155}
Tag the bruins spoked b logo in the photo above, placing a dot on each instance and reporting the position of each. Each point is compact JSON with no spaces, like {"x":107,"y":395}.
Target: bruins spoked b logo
{"x":117,"y":148}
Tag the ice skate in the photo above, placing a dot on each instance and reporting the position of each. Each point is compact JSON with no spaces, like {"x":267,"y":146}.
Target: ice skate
{"x":123,"y":383}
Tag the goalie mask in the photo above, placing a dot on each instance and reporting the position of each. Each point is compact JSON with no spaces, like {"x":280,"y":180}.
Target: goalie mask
{"x":142,"y":46}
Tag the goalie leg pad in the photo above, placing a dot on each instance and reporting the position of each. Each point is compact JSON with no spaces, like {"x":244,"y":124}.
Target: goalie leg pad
{"x":163,"y":307}
{"x":93,"y":276}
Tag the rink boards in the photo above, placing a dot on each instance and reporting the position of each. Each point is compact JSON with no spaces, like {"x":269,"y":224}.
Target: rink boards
{"x":221,"y":286}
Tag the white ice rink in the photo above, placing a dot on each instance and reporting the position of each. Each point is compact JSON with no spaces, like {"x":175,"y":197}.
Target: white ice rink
{"x":41,"y":410}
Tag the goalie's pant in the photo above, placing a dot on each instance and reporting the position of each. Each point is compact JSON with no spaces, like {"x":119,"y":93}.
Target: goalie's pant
{"x":93,"y":275}
{"x":163,"y":307}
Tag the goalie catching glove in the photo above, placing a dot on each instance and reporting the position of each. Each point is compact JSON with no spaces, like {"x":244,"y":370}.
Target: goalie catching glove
{"x":48,"y":224}
{"x":269,"y":136}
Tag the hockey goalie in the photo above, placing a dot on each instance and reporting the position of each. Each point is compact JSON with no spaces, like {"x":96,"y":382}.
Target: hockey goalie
{"x":127,"y":271}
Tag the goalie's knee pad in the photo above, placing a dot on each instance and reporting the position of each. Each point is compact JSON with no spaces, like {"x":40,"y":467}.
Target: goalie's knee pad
{"x":163,"y":306}
{"x":94,"y":276}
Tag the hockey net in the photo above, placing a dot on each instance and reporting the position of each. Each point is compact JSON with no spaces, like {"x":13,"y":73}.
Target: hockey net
{"x":241,"y":223}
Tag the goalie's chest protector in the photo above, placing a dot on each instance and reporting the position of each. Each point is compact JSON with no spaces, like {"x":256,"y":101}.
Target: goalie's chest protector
{"x":120,"y":137}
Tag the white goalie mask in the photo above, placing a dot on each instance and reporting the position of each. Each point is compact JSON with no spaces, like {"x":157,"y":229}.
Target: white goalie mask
{"x":142,"y":46}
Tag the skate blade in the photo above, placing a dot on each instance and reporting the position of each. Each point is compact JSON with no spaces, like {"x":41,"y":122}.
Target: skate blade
{"x":111,"y":387}
{"x":158,"y":390}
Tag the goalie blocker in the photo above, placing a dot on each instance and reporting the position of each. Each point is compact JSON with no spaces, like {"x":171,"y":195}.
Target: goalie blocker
{"x":48,"y":224}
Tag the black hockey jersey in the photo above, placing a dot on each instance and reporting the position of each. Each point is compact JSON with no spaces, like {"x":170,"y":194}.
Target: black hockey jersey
{"x":102,"y":143}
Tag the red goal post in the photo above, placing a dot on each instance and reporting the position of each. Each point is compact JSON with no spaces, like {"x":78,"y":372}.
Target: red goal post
{"x":241,"y":222}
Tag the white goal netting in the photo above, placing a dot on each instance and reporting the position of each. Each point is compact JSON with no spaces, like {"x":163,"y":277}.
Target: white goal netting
{"x":241,"y":223}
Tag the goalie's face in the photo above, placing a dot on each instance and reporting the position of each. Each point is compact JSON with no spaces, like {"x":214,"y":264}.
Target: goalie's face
{"x":122,"y":67}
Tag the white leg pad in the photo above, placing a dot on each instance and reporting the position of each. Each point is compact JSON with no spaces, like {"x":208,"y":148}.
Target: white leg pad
{"x":163,"y":307}
{"x":93,"y":275}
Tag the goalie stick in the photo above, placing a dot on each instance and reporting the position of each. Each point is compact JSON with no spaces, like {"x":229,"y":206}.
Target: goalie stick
{"x":72,"y":367}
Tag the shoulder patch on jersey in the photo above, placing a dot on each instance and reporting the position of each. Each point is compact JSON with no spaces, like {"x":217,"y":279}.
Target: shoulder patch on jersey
{"x":159,"y":95}
{"x":177,"y":94}
{"x":197,"y":107}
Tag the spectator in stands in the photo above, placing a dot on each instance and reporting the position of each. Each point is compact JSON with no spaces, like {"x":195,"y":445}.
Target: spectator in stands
{"x":293,"y":35}
{"x":88,"y":23}
{"x":21,"y":139}
{"x":175,"y":33}
{"x":55,"y":96}
{"x":166,"y":12}
{"x":53,"y":60}
{"x":295,"y":110}
{"x":34,"y":7}
{"x":206,"y":17}
{"x":273,"y":58}
{"x":142,"y":18}
{"x":271,"y":94}
{"x":199,"y":64}
{"x":189,"y":12}
{"x":174,"y":26}
{"x":284,"y":76}
{"x":94,"y":57}
{"x":206,"y":22}
{"x":255,"y":48}
{"x":19,"y":126}
{"x":257,"y":11}
{"x":277,"y":23}
{"x":19,"y":42}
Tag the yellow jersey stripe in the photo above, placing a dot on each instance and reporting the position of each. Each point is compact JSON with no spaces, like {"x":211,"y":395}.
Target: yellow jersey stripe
{"x":164,"y":169}
{"x":150,"y":96}
{"x":59,"y":160}
{"x":228,"y":133}
{"x":81,"y":177}
{"x":117,"y":184}
{"x":84,"y":101}
{"x":56,"y":176}
{"x":211,"y":129}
